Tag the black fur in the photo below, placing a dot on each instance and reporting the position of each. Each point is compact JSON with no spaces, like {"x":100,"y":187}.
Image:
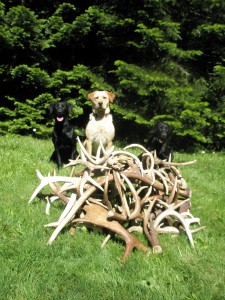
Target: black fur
{"x":159,"y":140}
{"x":63,"y":136}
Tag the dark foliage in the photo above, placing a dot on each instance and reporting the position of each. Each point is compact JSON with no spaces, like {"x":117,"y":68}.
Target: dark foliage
{"x":163,"y":59}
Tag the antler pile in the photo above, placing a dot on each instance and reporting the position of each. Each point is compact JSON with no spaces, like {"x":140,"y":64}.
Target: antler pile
{"x":117,"y":191}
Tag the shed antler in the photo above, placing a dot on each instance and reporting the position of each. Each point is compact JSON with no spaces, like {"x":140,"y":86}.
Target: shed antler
{"x":118,"y":193}
{"x":98,"y":216}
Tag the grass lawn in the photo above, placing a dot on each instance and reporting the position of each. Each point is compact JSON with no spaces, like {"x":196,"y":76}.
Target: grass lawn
{"x":75,"y":267}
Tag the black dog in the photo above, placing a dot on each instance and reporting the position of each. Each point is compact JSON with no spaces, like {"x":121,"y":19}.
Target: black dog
{"x":63,"y":136}
{"x":159,"y":141}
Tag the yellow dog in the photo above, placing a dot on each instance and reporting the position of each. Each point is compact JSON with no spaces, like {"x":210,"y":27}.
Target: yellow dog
{"x":100,"y":126}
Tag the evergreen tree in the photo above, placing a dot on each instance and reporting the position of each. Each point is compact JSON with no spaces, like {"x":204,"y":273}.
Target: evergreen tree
{"x":163,"y":59}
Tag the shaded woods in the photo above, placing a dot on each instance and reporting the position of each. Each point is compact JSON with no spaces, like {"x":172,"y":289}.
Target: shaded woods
{"x":164,"y":60}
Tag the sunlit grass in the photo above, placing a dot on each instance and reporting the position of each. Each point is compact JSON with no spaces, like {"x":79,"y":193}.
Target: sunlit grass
{"x":75,"y":267}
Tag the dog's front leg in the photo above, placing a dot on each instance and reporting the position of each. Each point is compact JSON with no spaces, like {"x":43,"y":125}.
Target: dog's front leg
{"x":58,"y":159}
{"x":89,"y":146}
{"x":109,"y":145}
{"x":73,"y":154}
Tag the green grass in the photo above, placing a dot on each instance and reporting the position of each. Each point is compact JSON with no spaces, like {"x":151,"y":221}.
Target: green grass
{"x":75,"y":267}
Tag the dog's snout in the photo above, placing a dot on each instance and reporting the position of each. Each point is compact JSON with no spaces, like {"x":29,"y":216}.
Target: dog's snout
{"x":100,"y":103}
{"x":61,"y":109}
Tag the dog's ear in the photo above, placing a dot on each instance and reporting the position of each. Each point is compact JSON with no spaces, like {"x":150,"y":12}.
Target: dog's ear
{"x":111,"y":96}
{"x":153,"y":131}
{"x":155,"y":127}
{"x":91,"y":96}
{"x":70,"y":108}
{"x":50,"y":109}
{"x":170,"y":130}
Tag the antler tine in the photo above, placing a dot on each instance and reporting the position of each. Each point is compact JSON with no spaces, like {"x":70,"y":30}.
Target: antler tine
{"x":65,"y":211}
{"x":136,"y":146}
{"x":177,"y":164}
{"x":151,"y":232}
{"x":98,"y":153}
{"x":49,"y":202}
{"x":102,"y":147}
{"x":45,"y":180}
{"x":121,"y":188}
{"x":131,"y":155}
{"x":136,"y":211}
{"x":72,"y":212}
{"x":151,"y":159}
{"x":106,"y":240}
{"x":106,"y":156}
{"x":82,"y":183}
{"x":163,"y":180}
{"x":149,"y":191}
{"x":105,"y":195}
{"x":84,"y":152}
{"x":173,"y":205}
{"x":57,"y":192}
{"x":68,"y":207}
{"x":172,"y":194}
{"x":74,"y":162}
{"x":172,"y":212}
{"x":94,"y":182}
{"x":197,"y":229}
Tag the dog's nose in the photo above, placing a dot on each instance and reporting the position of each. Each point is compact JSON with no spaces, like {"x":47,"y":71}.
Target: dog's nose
{"x":100,"y":103}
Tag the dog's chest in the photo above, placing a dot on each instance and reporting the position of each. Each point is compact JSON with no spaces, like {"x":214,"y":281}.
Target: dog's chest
{"x":100,"y":129}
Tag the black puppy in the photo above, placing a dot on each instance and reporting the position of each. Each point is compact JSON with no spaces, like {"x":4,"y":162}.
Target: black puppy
{"x":63,"y":136}
{"x":159,"y":140}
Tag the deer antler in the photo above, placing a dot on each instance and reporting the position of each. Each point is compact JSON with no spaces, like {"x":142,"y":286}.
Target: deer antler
{"x":171,"y":211}
{"x":117,"y":192}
